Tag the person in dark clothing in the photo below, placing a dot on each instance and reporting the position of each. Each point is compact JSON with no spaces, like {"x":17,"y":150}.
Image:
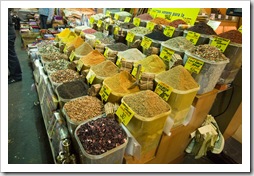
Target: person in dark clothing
{"x":13,"y":62}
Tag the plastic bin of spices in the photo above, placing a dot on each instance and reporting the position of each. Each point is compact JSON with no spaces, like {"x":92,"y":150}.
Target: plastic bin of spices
{"x":182,"y":88}
{"x":101,"y":153}
{"x":206,"y":71}
{"x":79,"y":110}
{"x":146,"y":125}
{"x":203,"y":38}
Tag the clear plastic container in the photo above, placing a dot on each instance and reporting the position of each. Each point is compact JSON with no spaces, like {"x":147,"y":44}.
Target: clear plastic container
{"x":234,"y":53}
{"x":147,"y":131}
{"x":113,"y":156}
{"x":179,"y":116}
{"x":228,"y":77}
{"x":176,"y":50}
{"x":209,"y":73}
{"x":155,"y":44}
{"x":203,"y":39}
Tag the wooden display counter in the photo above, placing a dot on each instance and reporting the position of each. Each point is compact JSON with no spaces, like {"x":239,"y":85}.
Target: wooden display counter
{"x":172,"y":148}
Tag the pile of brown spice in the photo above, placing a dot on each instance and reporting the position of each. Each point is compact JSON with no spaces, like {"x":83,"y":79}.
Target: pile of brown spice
{"x":145,"y":16}
{"x":208,"y":52}
{"x":202,"y":28}
{"x":83,"y":108}
{"x":48,"y":57}
{"x":176,"y":23}
{"x":62,"y":76}
{"x":105,"y":69}
{"x":178,"y":78}
{"x":146,"y":103}
{"x":93,"y":58}
{"x":232,"y":35}
{"x":162,"y":21}
{"x":120,"y":83}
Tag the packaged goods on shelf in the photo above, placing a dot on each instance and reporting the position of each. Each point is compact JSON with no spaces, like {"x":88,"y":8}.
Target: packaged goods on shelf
{"x":81,"y":109}
{"x":211,"y":65}
{"x":118,"y":86}
{"x":96,"y":148}
{"x":146,"y":125}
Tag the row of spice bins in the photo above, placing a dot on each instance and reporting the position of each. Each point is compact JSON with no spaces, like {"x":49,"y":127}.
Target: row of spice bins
{"x":143,"y":90}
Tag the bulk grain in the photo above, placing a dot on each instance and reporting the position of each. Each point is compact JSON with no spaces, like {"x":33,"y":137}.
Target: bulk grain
{"x":83,"y":108}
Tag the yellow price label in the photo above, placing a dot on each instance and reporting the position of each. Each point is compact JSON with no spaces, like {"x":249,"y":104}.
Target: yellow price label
{"x":90,"y":76}
{"x":80,"y":65}
{"x":99,"y":23}
{"x":118,"y":62}
{"x":169,"y":31}
{"x":193,"y":37}
{"x":107,"y":13}
{"x":106,"y":26}
{"x":56,"y":38}
{"x":146,"y":42}
{"x":124,"y":113}
{"x":240,"y":29}
{"x":81,"y":33}
{"x":135,"y":70}
{"x":106,"y":52}
{"x":193,"y":65}
{"x":153,"y":13}
{"x":72,"y":56}
{"x":121,"y":9}
{"x":116,"y":16}
{"x":65,"y":49}
{"x":220,"y":43}
{"x":116,"y":30}
{"x":166,"y":54}
{"x":130,"y":36}
{"x":97,"y":42}
{"x":136,"y":21}
{"x":104,"y":92}
{"x":150,"y":25}
{"x":127,"y":19}
{"x":91,"y":20}
{"x":163,"y":90}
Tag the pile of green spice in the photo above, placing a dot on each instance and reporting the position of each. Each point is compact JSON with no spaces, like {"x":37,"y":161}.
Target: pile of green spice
{"x":180,"y":43}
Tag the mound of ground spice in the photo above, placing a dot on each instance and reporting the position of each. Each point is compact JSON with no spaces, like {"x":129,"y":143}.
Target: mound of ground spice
{"x":93,"y":58}
{"x":176,"y":23}
{"x":178,"y":78}
{"x":118,"y":47}
{"x":72,"y":89}
{"x":146,"y":104}
{"x":120,"y":83}
{"x":180,"y":43}
{"x":145,"y":17}
{"x":132,"y":54}
{"x":157,"y":35}
{"x":152,"y":64}
{"x":105,"y":69}
{"x":83,"y":108}
{"x":202,"y":28}
{"x":83,"y":49}
{"x":232,"y":35}
{"x":161,"y":21}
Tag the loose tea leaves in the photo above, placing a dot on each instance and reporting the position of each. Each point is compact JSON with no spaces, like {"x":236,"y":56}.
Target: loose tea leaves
{"x":101,"y":135}
{"x":62,"y":76}
{"x":208,"y":52}
{"x":72,"y":89}
{"x":83,"y":108}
